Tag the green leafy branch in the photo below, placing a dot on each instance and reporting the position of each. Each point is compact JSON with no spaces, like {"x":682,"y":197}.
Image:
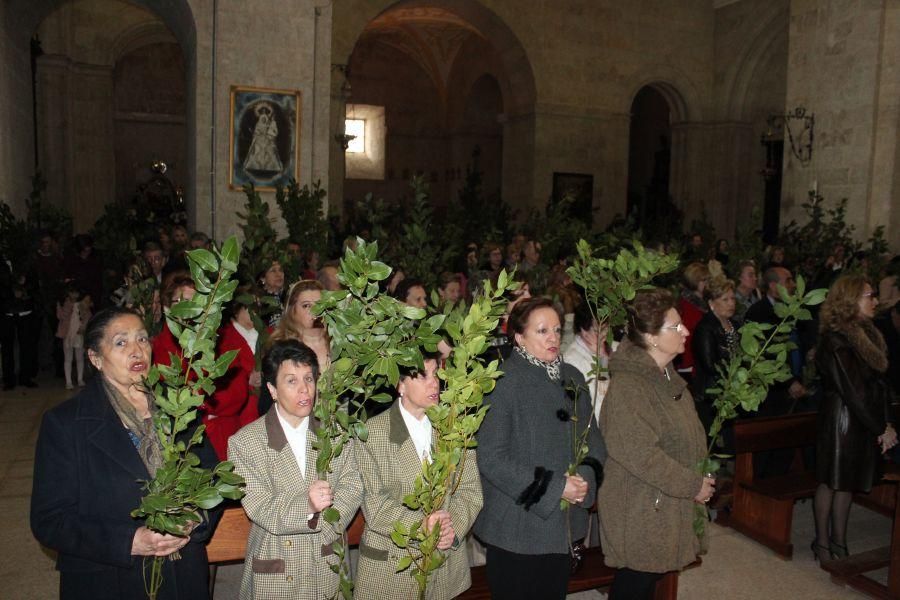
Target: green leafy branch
{"x":422,"y":255}
{"x":455,"y":420}
{"x":760,"y":362}
{"x":609,"y":284}
{"x":181,"y":488}
{"x":259,"y":252}
{"x":372,"y":335}
{"x":303,"y":213}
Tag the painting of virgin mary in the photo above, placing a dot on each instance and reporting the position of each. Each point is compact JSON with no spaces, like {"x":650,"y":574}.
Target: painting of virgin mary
{"x":264,"y":137}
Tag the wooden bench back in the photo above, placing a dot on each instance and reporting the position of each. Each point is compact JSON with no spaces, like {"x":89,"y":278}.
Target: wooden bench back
{"x":229,"y":542}
{"x":774,"y":433}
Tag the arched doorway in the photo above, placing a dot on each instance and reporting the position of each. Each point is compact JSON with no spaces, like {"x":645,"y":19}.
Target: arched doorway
{"x":110,"y":103}
{"x":80,"y":175}
{"x":649,"y":156}
{"x":472,"y":92}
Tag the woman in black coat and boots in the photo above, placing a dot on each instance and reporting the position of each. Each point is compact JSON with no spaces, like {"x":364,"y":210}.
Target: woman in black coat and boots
{"x":92,"y":453}
{"x":855,"y":424}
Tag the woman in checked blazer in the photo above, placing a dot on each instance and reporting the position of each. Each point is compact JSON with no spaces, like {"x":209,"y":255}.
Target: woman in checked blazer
{"x":289,"y":552}
{"x":399,"y":440}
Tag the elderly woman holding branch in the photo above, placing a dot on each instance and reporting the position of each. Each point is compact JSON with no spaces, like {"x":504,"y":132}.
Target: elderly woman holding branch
{"x":655,"y":441}
{"x":525,"y":451}
{"x":92,"y":454}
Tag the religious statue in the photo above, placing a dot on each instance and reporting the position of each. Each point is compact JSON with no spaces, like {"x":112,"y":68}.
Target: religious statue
{"x":263,"y":155}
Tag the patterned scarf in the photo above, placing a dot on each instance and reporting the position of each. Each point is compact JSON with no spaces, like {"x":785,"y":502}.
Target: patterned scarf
{"x":149,"y":448}
{"x":551,"y":367}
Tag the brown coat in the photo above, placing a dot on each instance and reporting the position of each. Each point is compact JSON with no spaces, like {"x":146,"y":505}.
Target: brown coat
{"x":654,"y":441}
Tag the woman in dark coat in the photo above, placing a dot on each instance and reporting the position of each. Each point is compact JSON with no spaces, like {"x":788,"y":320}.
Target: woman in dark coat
{"x":525,"y":445}
{"x":92,"y":453}
{"x":855,"y":424}
{"x":713,"y":341}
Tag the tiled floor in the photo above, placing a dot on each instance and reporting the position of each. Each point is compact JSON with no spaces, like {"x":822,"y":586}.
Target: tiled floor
{"x":735,"y":568}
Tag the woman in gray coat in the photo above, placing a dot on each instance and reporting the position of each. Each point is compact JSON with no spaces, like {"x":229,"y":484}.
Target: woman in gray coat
{"x":655,"y":442}
{"x":525,"y":446}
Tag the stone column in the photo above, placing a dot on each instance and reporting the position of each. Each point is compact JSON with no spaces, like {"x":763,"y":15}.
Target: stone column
{"x":92,"y":161}
{"x":54,"y":139}
{"x":337,"y":163}
{"x":842,"y":66}
{"x":517,"y":165}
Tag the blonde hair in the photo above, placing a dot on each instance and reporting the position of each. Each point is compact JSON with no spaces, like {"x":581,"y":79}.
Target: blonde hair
{"x":693,"y":274}
{"x":841,"y":307}
{"x":288,"y":327}
{"x":717,"y":287}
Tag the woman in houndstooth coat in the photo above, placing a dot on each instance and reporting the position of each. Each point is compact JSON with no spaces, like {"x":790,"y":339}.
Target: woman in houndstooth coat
{"x":289,"y":551}
{"x":399,"y":440}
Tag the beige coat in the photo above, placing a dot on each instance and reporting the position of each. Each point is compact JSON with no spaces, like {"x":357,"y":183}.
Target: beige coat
{"x":289,"y":555}
{"x":654,"y":440}
{"x":389,"y":466}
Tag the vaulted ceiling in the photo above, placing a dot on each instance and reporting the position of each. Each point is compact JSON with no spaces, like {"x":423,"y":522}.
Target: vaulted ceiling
{"x":430,"y":36}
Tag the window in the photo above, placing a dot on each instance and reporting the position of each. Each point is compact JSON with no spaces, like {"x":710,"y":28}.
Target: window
{"x":364,"y":158}
{"x":357,"y":128}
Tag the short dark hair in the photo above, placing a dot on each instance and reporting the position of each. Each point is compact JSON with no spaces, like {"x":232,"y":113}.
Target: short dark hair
{"x":647,"y":313}
{"x":584,"y":320}
{"x":447,"y":277}
{"x":403,"y":288}
{"x":415,"y":371}
{"x":95,"y":329}
{"x":151,"y":246}
{"x":518,"y":318}
{"x":291,"y":350}
{"x":199,"y":236}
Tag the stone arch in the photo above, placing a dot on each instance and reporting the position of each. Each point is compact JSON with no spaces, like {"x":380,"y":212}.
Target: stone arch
{"x":172,"y":22}
{"x":137,"y":36}
{"x":681,"y":108}
{"x":508,"y":64}
{"x":520,"y":92}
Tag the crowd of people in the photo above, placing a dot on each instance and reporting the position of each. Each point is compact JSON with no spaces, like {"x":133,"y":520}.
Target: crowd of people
{"x":648,"y":411}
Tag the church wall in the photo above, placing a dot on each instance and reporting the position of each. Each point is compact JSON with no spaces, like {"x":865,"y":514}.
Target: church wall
{"x":588,"y":62}
{"x":16,"y":139}
{"x":416,"y":141}
{"x":751,"y":38}
{"x":263,"y":43}
{"x":843,"y":67}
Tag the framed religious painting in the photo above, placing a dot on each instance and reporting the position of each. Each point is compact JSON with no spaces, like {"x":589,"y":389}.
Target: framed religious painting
{"x":264,"y":143}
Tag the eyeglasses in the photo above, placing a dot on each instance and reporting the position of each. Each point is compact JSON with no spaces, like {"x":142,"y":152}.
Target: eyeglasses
{"x":680,"y":328}
{"x":870,"y":295}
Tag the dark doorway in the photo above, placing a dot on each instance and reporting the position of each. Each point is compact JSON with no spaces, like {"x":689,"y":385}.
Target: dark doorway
{"x":772,"y":202}
{"x":649,"y":154}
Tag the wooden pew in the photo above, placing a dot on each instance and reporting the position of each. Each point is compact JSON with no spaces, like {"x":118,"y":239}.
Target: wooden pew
{"x":763,"y":509}
{"x":228,"y":545}
{"x":851,"y":571}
